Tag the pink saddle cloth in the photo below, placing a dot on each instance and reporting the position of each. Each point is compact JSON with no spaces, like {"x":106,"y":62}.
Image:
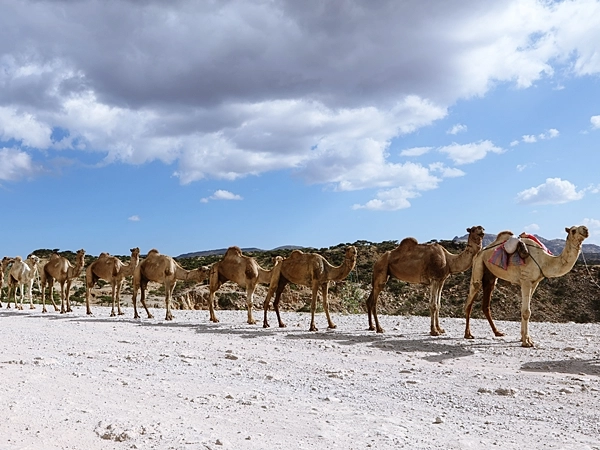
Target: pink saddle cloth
{"x":502,"y":259}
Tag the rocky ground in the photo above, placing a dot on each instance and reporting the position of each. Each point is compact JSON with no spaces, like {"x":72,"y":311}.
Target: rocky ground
{"x":72,"y":381}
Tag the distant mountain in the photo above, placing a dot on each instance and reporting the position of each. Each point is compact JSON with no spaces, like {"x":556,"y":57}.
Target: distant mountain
{"x":554,"y":245}
{"x":221,"y":251}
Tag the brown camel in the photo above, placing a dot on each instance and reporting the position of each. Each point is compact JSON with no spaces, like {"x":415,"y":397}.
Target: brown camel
{"x":429,"y":264}
{"x":243,"y":270}
{"x":162,"y":269}
{"x":113,"y":270}
{"x":312,"y":270}
{"x":536,"y":267}
{"x":23,"y":273}
{"x":58,"y":268}
{"x":6,"y":261}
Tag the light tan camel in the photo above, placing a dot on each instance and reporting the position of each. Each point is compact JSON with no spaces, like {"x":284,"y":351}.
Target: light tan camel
{"x":429,"y":264}
{"x":162,"y":269}
{"x":536,"y":267}
{"x":6,"y":261}
{"x":312,"y":270}
{"x":23,"y":273}
{"x":58,"y":268}
{"x":113,"y":270}
{"x":243,"y":270}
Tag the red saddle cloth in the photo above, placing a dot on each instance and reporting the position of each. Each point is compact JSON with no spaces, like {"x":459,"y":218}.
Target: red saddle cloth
{"x":502,"y":259}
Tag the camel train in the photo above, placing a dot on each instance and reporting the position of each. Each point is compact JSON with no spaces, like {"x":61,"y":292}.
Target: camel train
{"x":427,"y":264}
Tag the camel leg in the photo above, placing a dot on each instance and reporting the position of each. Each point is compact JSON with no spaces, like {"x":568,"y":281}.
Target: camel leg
{"x":88,"y":293}
{"x":378,"y":286}
{"x":313,"y":306}
{"x":52,"y":296}
{"x":113,"y":295}
{"x":276,"y":307}
{"x":68,"y":296}
{"x":474,"y":288}
{"x":62,"y":298}
{"x":250,"y":302}
{"x":134,"y":300}
{"x":168,"y":293}
{"x":489,"y":283}
{"x":31,"y":295}
{"x":527,"y":290}
{"x":214,"y":286}
{"x":324,"y":292}
{"x":435,"y":301}
{"x":272,"y":287}
{"x":143,"y":287}
{"x":118,"y":298}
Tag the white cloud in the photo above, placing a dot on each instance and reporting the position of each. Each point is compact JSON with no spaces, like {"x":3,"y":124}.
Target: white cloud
{"x":222,"y":195}
{"x":514,"y":143}
{"x":23,"y":127}
{"x":595,"y":121}
{"x":529,"y":138}
{"x":458,"y":128}
{"x":550,"y":134}
{"x":134,"y":218}
{"x":15,"y":165}
{"x":445,"y":171}
{"x":389,"y":200}
{"x":415,"y":151}
{"x":469,"y":153}
{"x":553,"y":191}
{"x":531,"y":228}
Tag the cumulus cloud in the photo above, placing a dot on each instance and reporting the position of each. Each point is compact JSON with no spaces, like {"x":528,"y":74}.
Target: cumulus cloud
{"x":553,"y":191}
{"x":531,"y":228}
{"x":275,"y":86}
{"x":595,"y":121}
{"x":458,"y":128}
{"x":469,"y":153}
{"x":529,"y":138}
{"x":134,"y":218}
{"x":15,"y":165}
{"x":514,"y":143}
{"x":222,"y":195}
{"x":415,"y":151}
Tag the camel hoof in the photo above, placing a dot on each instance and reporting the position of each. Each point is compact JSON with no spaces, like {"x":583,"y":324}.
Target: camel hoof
{"x":150,"y":316}
{"x":89,"y":313}
{"x":332,"y":326}
{"x":528,"y":344}
{"x":252,"y":322}
{"x":313,"y":329}
{"x":380,"y":330}
{"x":266,"y":325}
{"x":32,"y":307}
{"x":215,"y":320}
{"x":371,"y":328}
{"x":441,"y":331}
{"x":121,"y":313}
{"x":434,"y":333}
{"x":282,"y":325}
{"x":499,"y":333}
{"x":469,"y":336}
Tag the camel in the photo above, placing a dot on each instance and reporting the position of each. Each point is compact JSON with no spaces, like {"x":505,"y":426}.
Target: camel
{"x":535,"y":268}
{"x":23,"y":273}
{"x":113,"y":270}
{"x":243,"y":270}
{"x":6,"y":261}
{"x":162,"y":269}
{"x":428,"y":264}
{"x":312,"y":270}
{"x":58,"y":268}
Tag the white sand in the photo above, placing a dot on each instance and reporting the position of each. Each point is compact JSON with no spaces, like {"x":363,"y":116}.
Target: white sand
{"x":77,"y":382}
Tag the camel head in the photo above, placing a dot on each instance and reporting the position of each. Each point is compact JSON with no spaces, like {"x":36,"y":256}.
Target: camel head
{"x":351,"y":255}
{"x":33,"y":258}
{"x":135,"y":251}
{"x":476,"y":234}
{"x":577,"y":234}
{"x":199,"y":274}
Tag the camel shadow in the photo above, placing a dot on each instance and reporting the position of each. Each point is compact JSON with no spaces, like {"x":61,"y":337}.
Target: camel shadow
{"x":443,"y":348}
{"x":572,"y":366}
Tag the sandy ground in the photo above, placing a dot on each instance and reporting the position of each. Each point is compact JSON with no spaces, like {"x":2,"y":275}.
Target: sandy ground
{"x":76,"y":382}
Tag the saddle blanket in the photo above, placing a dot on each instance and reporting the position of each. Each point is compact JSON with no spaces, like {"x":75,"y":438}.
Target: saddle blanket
{"x":502,"y":259}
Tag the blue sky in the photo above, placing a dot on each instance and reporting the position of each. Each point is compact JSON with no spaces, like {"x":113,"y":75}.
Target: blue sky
{"x":188,"y":126}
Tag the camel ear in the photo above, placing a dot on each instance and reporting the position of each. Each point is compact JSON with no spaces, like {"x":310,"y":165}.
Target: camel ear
{"x":469,"y":230}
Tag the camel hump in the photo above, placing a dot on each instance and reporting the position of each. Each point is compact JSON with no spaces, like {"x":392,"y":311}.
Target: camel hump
{"x":18,"y":259}
{"x":408,"y":242}
{"x":154,"y":251}
{"x":233,"y":251}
